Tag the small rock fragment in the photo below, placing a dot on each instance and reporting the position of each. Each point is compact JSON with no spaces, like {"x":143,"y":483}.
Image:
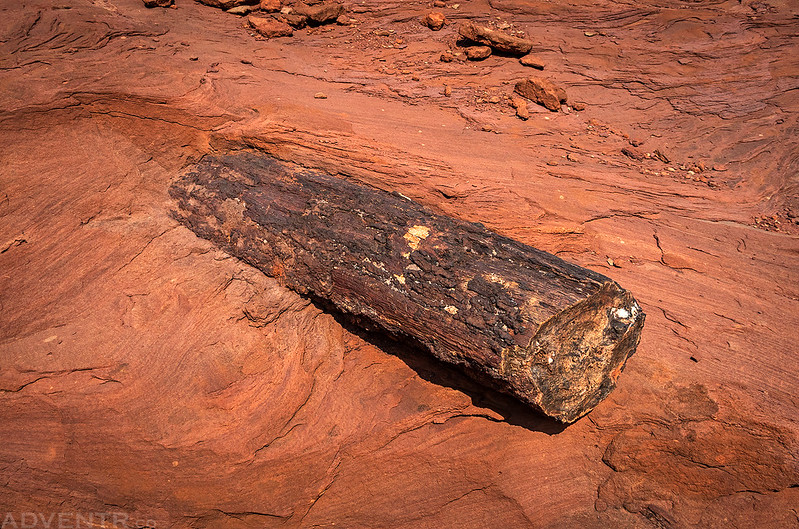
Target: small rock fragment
{"x":439,"y":3}
{"x":270,"y":6}
{"x":660,"y":156}
{"x":478,"y":53}
{"x":542,"y":91}
{"x":158,"y":3}
{"x":446,"y":56}
{"x":295,"y":20}
{"x":447,"y":90}
{"x":269,"y":27}
{"x":496,"y":39}
{"x":520,"y":104}
{"x":578,"y":106}
{"x":320,"y":13}
{"x":382,"y":32}
{"x":435,"y":20}
{"x":532,"y":61}
{"x":241,"y":10}
{"x":320,"y":95}
{"x":633,"y":153}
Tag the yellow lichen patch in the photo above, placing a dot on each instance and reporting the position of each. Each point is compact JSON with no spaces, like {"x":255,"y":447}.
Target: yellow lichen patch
{"x":452,"y":310}
{"x":400,"y":278}
{"x":415,"y":235}
{"x":494,"y":278}
{"x":233,"y":210}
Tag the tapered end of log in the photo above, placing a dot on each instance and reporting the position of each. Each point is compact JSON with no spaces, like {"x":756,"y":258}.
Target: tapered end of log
{"x":575,"y":358}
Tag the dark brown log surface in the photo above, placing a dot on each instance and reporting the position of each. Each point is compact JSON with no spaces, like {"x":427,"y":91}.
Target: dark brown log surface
{"x":553,"y":334}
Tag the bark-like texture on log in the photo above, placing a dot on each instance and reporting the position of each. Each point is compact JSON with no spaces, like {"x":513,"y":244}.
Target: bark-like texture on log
{"x":553,"y":334}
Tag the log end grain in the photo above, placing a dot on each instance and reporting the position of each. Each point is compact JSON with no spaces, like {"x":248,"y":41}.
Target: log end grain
{"x":576,"y":357}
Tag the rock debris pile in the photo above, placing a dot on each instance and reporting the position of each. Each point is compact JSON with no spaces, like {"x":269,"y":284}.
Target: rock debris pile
{"x":272,"y":19}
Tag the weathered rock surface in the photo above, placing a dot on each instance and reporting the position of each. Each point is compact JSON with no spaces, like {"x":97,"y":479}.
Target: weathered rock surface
{"x":532,"y":61}
{"x":143,"y":370}
{"x":634,"y":153}
{"x":477,"y":53}
{"x":269,"y":27}
{"x":435,"y":20}
{"x":320,"y":13}
{"x":295,"y":20}
{"x":520,"y":104}
{"x":158,"y":3}
{"x":494,"y":38}
{"x":270,"y":6}
{"x":542,"y":91}
{"x":242,"y":10}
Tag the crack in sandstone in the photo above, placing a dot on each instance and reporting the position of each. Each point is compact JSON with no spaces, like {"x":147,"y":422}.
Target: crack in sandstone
{"x":327,"y":486}
{"x":45,"y":375}
{"x":150,"y":241}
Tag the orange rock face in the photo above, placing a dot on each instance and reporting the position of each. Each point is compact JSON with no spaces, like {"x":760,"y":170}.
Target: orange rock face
{"x":478,"y":53}
{"x":269,"y":27}
{"x":435,"y":20}
{"x":270,"y":6}
{"x":542,"y":91}
{"x":147,"y":374}
{"x":321,"y":13}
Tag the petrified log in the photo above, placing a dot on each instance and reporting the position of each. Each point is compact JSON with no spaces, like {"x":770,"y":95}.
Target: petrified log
{"x":494,"y":38}
{"x":553,"y":334}
{"x":227,"y":4}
